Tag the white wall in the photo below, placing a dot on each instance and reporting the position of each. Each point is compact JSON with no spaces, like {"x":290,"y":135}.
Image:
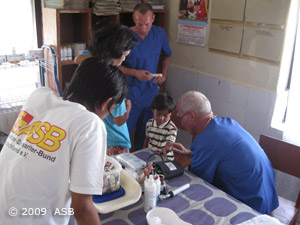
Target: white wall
{"x":237,"y":88}
{"x":251,"y":107}
{"x":240,"y":71}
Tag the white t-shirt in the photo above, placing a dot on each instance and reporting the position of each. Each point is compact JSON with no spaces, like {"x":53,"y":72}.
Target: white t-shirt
{"x":55,"y":147}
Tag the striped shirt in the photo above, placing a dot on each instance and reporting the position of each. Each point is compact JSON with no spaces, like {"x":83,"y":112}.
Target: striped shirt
{"x":159,"y":135}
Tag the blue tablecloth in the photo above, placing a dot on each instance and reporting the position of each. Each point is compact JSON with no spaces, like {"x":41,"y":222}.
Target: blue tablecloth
{"x":201,"y":204}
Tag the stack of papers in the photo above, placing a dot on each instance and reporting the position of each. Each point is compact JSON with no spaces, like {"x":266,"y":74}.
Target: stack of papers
{"x":67,"y":4}
{"x":58,"y":4}
{"x":156,"y":4}
{"x":80,"y":4}
{"x":128,"y":5}
{"x":106,"y":7}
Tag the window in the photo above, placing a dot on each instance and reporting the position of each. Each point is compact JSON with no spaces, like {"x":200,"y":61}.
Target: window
{"x":17,"y":25}
{"x":18,"y":36}
{"x":287,"y":108}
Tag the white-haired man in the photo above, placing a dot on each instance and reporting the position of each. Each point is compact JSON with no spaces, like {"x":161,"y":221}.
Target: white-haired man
{"x":225,"y":154}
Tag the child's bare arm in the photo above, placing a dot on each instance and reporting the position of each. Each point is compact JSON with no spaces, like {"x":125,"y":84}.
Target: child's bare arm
{"x":79,"y":59}
{"x":120,"y":120}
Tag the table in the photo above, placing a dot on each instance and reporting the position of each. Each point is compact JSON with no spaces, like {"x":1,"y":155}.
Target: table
{"x":201,"y":204}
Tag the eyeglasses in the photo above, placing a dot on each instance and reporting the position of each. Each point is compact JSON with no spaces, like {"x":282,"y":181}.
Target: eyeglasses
{"x":181,"y":117}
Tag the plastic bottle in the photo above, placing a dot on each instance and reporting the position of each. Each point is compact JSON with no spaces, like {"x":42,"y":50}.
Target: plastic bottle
{"x":149,"y":194}
{"x":13,"y":50}
{"x":69,"y":53}
{"x":158,"y":184}
{"x":65,"y":53}
{"x":163,"y":186}
{"x":62,"y":53}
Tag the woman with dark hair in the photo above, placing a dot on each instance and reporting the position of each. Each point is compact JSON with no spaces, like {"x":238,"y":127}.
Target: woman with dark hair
{"x":112,"y":42}
{"x":55,"y":154}
{"x":92,"y":85}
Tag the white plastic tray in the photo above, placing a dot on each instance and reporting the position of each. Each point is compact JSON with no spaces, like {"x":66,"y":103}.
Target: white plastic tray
{"x":133,"y":193}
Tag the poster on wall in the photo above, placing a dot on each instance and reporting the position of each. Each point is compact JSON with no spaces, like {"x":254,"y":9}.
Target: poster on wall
{"x":192,"y":22}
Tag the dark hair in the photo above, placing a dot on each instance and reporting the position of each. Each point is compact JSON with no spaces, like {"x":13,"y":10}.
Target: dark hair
{"x":162,"y":102}
{"x":110,"y":40}
{"x":143,"y":8}
{"x":94,"y":82}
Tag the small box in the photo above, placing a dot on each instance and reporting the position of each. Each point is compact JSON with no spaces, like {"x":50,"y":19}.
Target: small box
{"x":78,"y":48}
{"x":35,"y":54}
{"x":15,"y":58}
{"x":2,"y":59}
{"x":11,"y":58}
{"x":129,"y":160}
{"x":111,"y":176}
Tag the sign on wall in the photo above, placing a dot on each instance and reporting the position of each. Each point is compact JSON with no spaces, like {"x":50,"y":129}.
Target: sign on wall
{"x":192,"y":22}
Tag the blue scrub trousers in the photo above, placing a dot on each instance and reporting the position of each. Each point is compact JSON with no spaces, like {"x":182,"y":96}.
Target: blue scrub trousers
{"x":138,"y":118}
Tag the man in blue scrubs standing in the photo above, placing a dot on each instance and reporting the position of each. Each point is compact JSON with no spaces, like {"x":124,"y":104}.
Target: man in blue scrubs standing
{"x":225,"y":154}
{"x":140,"y":64}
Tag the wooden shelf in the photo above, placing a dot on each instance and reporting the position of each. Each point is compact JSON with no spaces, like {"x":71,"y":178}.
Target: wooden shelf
{"x":125,"y":17}
{"x":64,"y":27}
{"x":68,"y":62}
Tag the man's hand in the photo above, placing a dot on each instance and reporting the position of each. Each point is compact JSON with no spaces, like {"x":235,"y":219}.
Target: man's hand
{"x":177,"y":148}
{"x":160,"y":80}
{"x":142,"y":75}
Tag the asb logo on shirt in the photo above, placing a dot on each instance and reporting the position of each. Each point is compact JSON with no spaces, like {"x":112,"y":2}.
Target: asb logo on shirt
{"x":42,"y":134}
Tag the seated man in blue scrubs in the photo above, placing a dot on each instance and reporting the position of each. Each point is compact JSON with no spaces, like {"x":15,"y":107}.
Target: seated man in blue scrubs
{"x":140,"y":64}
{"x":224,"y":154}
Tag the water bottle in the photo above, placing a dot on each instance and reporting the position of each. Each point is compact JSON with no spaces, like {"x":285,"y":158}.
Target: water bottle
{"x":65,"y":53}
{"x":69,"y":53}
{"x":62,"y":53}
{"x":158,"y":184}
{"x":149,"y":194}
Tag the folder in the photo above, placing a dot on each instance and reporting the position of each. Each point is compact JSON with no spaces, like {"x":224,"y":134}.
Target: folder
{"x":265,"y":43}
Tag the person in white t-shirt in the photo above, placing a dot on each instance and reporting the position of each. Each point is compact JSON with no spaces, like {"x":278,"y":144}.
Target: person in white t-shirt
{"x":53,"y":160}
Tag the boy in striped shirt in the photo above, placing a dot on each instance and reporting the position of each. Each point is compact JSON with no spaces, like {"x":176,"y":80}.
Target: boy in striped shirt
{"x":160,"y":130}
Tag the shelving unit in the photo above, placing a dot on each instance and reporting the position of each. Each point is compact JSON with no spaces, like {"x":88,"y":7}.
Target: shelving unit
{"x":62,"y":27}
{"x":125,"y":17}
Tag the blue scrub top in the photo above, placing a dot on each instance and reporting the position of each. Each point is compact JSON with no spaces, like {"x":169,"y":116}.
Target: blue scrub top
{"x":145,"y":56}
{"x":227,"y":156}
